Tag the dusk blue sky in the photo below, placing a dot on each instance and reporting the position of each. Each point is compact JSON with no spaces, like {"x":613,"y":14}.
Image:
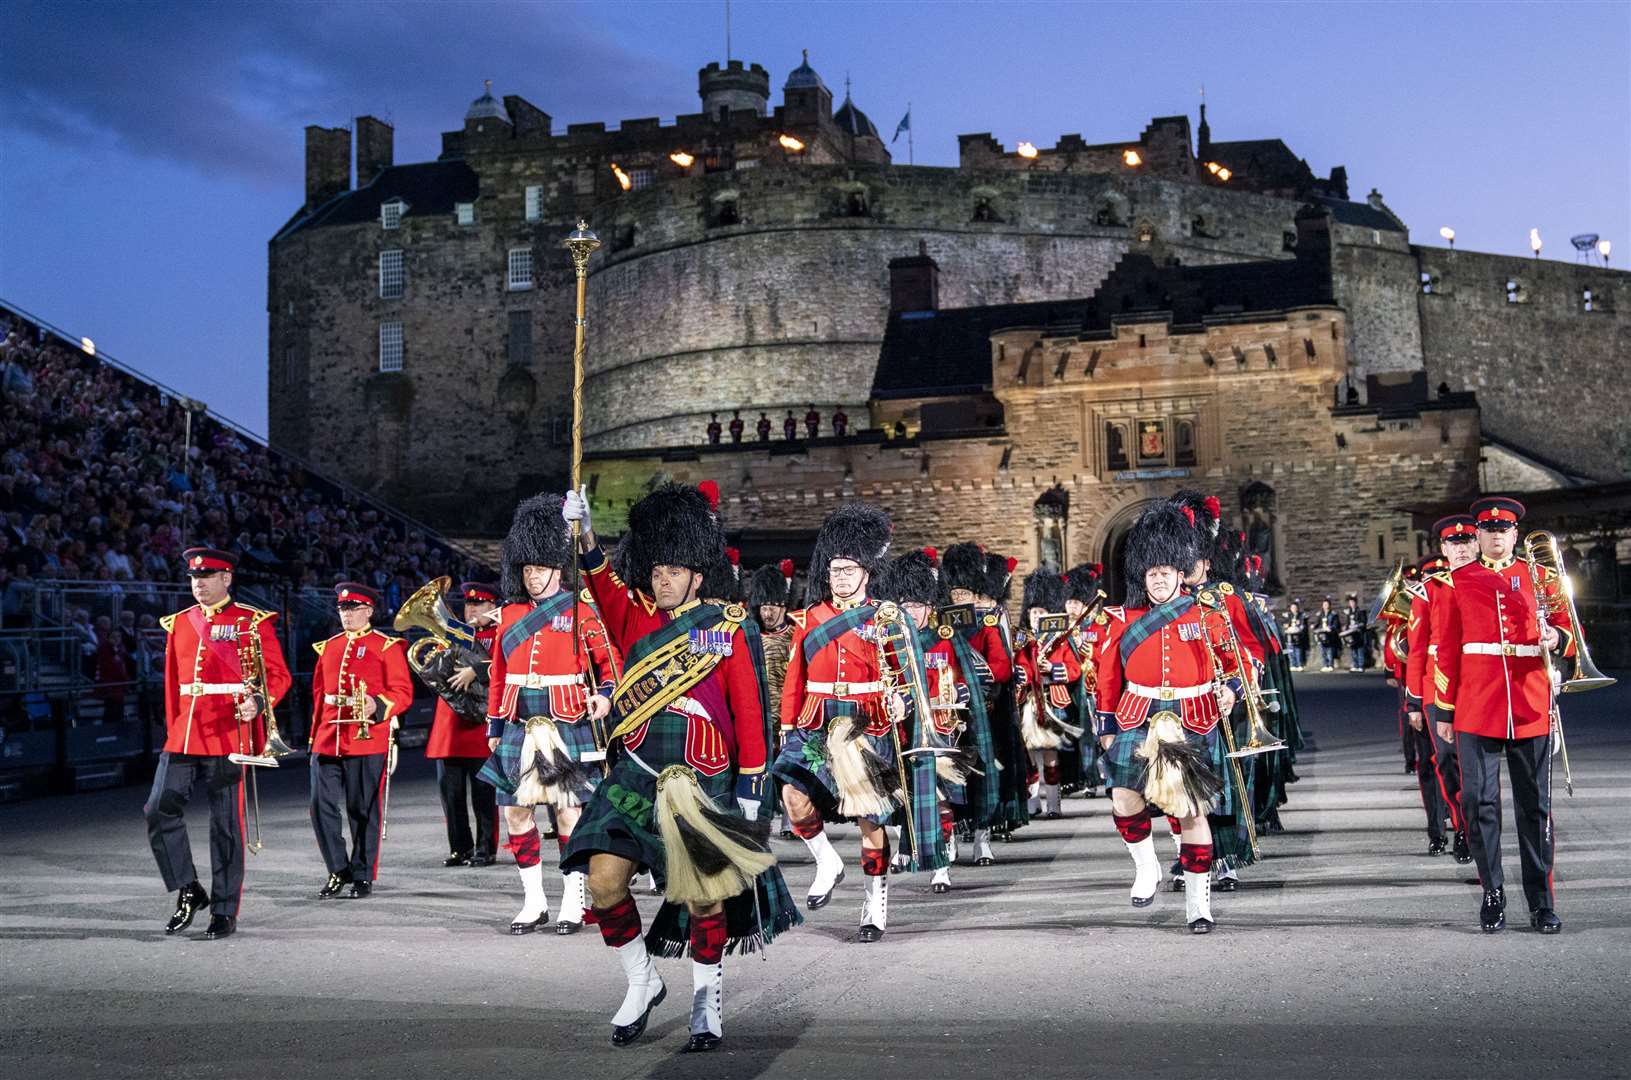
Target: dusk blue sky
{"x":150,"y":150}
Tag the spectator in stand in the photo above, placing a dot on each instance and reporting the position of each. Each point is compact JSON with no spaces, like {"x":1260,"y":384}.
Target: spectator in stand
{"x":84,"y":633}
{"x":112,"y":672}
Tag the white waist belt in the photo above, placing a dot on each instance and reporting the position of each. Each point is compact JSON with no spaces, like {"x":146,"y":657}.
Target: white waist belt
{"x":1499,"y":648}
{"x":339,"y":699}
{"x":1168,"y":693}
{"x":539,"y":682}
{"x":202,"y":689}
{"x":844,"y":689}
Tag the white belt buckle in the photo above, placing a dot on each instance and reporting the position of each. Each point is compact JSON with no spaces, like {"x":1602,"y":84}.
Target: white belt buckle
{"x":840,"y":689}
{"x":1168,"y":694}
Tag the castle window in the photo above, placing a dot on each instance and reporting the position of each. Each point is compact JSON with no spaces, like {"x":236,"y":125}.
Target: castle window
{"x":1288,"y":241}
{"x":855,"y":204}
{"x":390,"y":214}
{"x":983,"y":210}
{"x":640,"y":179}
{"x":391,"y":275}
{"x":535,"y":202}
{"x":520,"y":269}
{"x":622,"y":237}
{"x":1595,"y":299}
{"x":390,"y":346}
{"x":725,"y":213}
{"x":1183,"y":443}
{"x":747,"y":163}
{"x":1115,"y":446}
{"x":1429,"y":283}
{"x":520,"y":338}
{"x":464,"y":213}
{"x":1515,"y":292}
{"x":290,"y":359}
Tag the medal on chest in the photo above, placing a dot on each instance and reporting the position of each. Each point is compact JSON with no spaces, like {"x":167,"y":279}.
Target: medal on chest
{"x":710,"y":643}
{"x":1190,"y":631}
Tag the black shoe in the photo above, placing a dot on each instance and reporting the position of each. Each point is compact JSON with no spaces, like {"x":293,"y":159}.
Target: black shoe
{"x":1410,"y":768}
{"x":1492,"y":914}
{"x":869,"y":933}
{"x":564,"y":928}
{"x":1090,"y":793}
{"x":817,"y":901}
{"x":940,"y":887}
{"x":1201,"y":926}
{"x":1437,"y":846}
{"x":1053,"y":815}
{"x":622,"y":1036}
{"x":1225,"y":884}
{"x":223,"y":925}
{"x":985,"y":860}
{"x":331,"y":888}
{"x":701,"y":1042}
{"x":1546,"y":921}
{"x":188,"y":902}
{"x":482,"y":859}
{"x":456,"y":859}
{"x":1463,"y":852}
{"x":788,"y":834}
{"x":362,"y":890}
{"x":519,"y":928}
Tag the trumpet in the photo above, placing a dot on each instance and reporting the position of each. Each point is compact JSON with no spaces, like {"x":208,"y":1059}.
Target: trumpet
{"x":1540,"y":549}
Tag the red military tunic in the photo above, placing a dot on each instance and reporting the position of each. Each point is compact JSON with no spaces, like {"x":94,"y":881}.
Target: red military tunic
{"x":947,"y":682}
{"x":1174,"y":664}
{"x":455,"y":736}
{"x":732,"y":685}
{"x":1237,"y":618}
{"x":993,"y":648}
{"x":846,"y":669}
{"x":1395,"y":646}
{"x":1489,"y":653}
{"x":1062,"y":653}
{"x":1427,"y":602}
{"x":369,"y":661}
{"x":1515,"y":571}
{"x":203,"y":678}
{"x":550,"y":659}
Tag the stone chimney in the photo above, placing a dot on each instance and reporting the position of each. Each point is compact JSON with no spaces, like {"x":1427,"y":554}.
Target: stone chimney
{"x":374,"y":148}
{"x":328,"y":164}
{"x":914,"y":282}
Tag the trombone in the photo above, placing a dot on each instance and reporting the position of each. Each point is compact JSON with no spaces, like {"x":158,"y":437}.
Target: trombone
{"x":253,"y":666}
{"x":1540,"y":549}
{"x":897,"y":642}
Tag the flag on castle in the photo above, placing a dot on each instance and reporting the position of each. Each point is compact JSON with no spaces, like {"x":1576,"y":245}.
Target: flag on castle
{"x":904,"y":125}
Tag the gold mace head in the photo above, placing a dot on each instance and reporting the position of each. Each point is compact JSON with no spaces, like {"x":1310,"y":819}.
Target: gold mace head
{"x":581,"y":242}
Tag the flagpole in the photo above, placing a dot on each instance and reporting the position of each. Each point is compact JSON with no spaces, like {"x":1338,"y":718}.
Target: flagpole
{"x":911,"y":155}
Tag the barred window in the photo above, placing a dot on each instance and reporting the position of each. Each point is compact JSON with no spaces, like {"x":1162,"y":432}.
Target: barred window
{"x":520,"y":276}
{"x":390,"y":275}
{"x":535,"y":202}
{"x":464,"y":213}
{"x":640,"y":179}
{"x":390,"y":214}
{"x":520,"y":338}
{"x":390,"y":346}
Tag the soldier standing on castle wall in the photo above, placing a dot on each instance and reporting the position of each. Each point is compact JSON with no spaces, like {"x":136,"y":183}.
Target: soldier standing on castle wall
{"x":840,"y":423}
{"x":763,"y":427}
{"x":812,"y":423}
{"x":714,"y":429}
{"x":790,"y":427}
{"x":737,"y":426}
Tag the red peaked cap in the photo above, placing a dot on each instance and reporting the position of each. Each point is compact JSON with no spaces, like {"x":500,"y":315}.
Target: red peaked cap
{"x":710,"y":491}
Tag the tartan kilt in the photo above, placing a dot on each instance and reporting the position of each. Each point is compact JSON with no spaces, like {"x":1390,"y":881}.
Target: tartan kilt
{"x":503,"y":768}
{"x":1012,"y":809}
{"x":1229,"y":839}
{"x":803,"y":765}
{"x":1127,"y":770}
{"x":619,"y":820}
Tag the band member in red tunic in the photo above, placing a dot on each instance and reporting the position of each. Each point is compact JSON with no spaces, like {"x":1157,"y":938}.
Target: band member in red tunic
{"x":458,"y":735}
{"x":361,"y":686}
{"x":1047,"y":674}
{"x":208,"y":715}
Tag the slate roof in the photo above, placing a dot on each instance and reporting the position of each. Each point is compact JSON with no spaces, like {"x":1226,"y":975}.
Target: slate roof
{"x":1361,"y":214}
{"x":431,"y":187}
{"x":853,"y":121}
{"x":948,"y":352}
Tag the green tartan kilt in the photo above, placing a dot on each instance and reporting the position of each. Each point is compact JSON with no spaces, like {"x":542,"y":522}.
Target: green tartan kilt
{"x":1230,"y":841}
{"x":1127,"y":770}
{"x":619,"y":820}
{"x":503,"y":768}
{"x":803,"y":764}
{"x":1014,"y":793}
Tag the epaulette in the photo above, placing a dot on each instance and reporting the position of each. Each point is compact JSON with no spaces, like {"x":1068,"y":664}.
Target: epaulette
{"x":389,"y":640}
{"x":257,"y":616}
{"x":1225,"y":588}
{"x":169,"y":621}
{"x":586,"y":596}
{"x":798,"y":618}
{"x":991,"y":620}
{"x":1101,"y":619}
{"x":1212,"y":596}
{"x":736,"y":613}
{"x":1116,"y":612}
{"x":645,"y":602}
{"x":318,"y":646}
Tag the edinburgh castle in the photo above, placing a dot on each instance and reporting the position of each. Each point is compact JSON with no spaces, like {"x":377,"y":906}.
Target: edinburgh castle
{"x":1027,"y":347}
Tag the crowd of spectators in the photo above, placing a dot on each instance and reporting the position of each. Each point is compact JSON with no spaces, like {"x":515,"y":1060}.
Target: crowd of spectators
{"x":103,"y":481}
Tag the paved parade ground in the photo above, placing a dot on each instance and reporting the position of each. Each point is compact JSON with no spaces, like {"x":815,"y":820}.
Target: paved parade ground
{"x":1348,"y":952}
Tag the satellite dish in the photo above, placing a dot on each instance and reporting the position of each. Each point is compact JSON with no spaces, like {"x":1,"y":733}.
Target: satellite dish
{"x":1584,"y":242}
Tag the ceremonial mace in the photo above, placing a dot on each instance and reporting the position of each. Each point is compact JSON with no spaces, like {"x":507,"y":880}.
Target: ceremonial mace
{"x":581,"y":243}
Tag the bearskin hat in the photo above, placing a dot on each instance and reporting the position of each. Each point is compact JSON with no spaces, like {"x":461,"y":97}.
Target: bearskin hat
{"x":1083,"y":582}
{"x":771,"y":585}
{"x":723,"y":580}
{"x":962,"y":566}
{"x":1045,"y":589}
{"x":1228,"y":558}
{"x":674,"y":525}
{"x":1207,"y":509}
{"x":999,"y":577}
{"x":538,"y":536}
{"x":1162,"y":536}
{"x":910,"y":579}
{"x":856,"y":530}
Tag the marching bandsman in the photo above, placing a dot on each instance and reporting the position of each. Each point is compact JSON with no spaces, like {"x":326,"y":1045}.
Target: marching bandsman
{"x":547,"y":703}
{"x":360,"y":683}
{"x":458,"y":737}
{"x":1167,"y":675}
{"x":1082,"y":592}
{"x":1294,"y":629}
{"x":1396,"y":645}
{"x":840,"y":759}
{"x":1018,"y":776}
{"x":1047,"y":671}
{"x":1356,"y":635}
{"x":1496,"y":684}
{"x":1458,"y":545}
{"x":687,"y":796}
{"x":966,"y":583}
{"x":1327,"y":635}
{"x":208,"y":715}
{"x":770,"y":591}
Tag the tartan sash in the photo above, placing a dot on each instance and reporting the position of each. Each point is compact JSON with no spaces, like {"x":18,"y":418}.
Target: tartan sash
{"x":542,"y":613}
{"x":985,"y":790}
{"x":835,"y":628}
{"x":1151,"y":622}
{"x":662,"y":665}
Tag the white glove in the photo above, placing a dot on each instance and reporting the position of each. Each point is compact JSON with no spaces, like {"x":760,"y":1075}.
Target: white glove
{"x":750,"y":808}
{"x":576,"y":507}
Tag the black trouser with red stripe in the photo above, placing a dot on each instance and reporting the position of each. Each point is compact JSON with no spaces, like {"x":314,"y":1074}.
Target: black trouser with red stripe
{"x":456,"y":775}
{"x":1529,"y":765}
{"x":356,"y":783}
{"x":1432,"y":796}
{"x":166,"y":810}
{"x":1448,"y":764}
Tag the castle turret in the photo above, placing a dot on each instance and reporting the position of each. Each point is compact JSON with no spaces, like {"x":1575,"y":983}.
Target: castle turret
{"x":806,"y":100}
{"x":727,"y":89}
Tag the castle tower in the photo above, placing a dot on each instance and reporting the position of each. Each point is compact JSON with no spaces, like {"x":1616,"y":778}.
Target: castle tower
{"x":727,"y":89}
{"x":806,"y":100}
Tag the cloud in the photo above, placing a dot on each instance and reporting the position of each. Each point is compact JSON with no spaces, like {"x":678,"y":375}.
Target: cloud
{"x":228,"y":87}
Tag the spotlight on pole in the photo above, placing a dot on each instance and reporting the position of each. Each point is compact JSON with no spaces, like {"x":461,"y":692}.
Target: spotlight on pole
{"x":1603,"y":248}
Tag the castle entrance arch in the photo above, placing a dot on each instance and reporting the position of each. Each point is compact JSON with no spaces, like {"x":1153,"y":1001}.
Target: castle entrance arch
{"x":1113,"y":549}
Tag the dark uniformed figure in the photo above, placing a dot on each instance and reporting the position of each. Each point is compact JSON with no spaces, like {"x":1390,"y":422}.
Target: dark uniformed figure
{"x":1495,"y":682}
{"x":208,"y":715}
{"x":360,"y":687}
{"x":1294,"y":628}
{"x":458,"y":738}
{"x":736,"y":426}
{"x":714,"y":429}
{"x":790,"y":427}
{"x":812,"y":423}
{"x":763,"y":427}
{"x":1356,"y":635}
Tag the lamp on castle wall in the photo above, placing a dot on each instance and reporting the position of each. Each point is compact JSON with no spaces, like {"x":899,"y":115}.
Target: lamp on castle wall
{"x":1534,"y":242}
{"x":1131,"y":159}
{"x":791,"y":144}
{"x":623,"y":179}
{"x":681,"y":158}
{"x":1026,"y":150}
{"x":1603,"y":248}
{"x":1448,"y":234}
